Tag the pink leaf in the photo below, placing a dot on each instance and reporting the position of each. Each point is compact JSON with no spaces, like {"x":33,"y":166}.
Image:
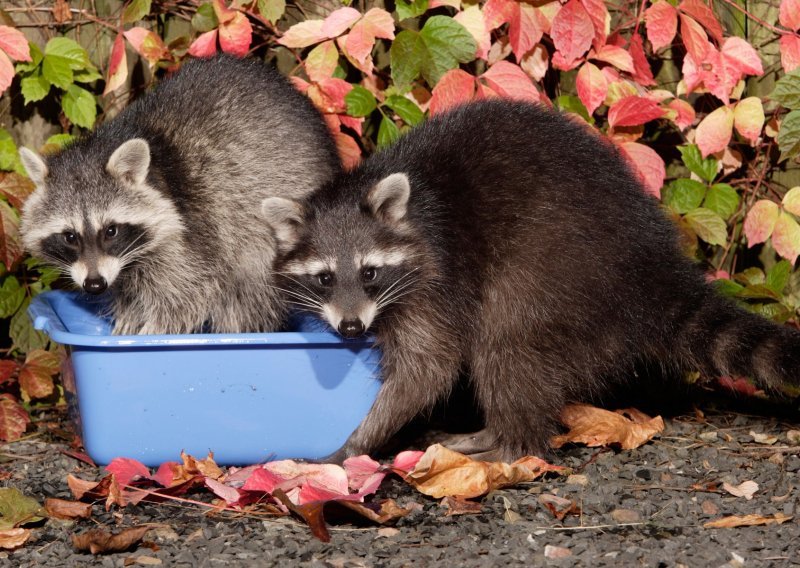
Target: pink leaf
{"x":231,"y":495}
{"x":164,"y":476}
{"x":661,"y":21}
{"x":6,"y":72}
{"x":262,"y":480}
{"x":592,"y":86}
{"x":348,"y":149}
{"x":790,"y":52}
{"x":359,"y":470}
{"x":303,"y":34}
{"x":633,"y":110}
{"x":641,"y":67}
{"x":339,"y":21}
{"x":703,"y":14}
{"x":720,"y":74}
{"x":714,"y":131}
{"x":616,"y":56}
{"x":13,"y":42}
{"x":126,"y":470}
{"x":760,"y":221}
{"x":694,"y":38}
{"x":456,"y":86}
{"x":789,"y":15}
{"x":117,"y":66}
{"x":786,"y":237}
{"x":235,"y":35}
{"x":407,"y":461}
{"x":536,"y":62}
{"x":743,"y":54}
{"x":352,"y":122}
{"x":647,"y":165}
{"x":361,"y":39}
{"x":563,"y":64}
{"x":498,"y":12}
{"x":684,"y":113}
{"x":748,"y":118}
{"x":509,"y":80}
{"x":321,"y":61}
{"x":526,"y":27}
{"x":472,"y":19}
{"x":151,"y":46}
{"x":224,"y":13}
{"x":598,"y":13}
{"x":572,"y":31}
{"x":205,"y":45}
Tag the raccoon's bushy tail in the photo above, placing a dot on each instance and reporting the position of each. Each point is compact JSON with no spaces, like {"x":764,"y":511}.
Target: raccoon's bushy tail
{"x":725,"y":339}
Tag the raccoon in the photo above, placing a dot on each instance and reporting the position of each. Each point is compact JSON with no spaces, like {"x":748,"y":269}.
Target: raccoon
{"x":159,"y":208}
{"x":507,"y":242}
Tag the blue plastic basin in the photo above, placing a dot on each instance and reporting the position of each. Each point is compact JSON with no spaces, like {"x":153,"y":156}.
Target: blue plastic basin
{"x":247,"y":397}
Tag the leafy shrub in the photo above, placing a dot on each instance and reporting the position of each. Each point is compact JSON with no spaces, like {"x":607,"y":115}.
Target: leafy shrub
{"x":684,"y":96}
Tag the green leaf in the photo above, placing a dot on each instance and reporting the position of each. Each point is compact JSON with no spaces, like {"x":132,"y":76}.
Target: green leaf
{"x":36,"y":59}
{"x":787,"y":90}
{"x":571,"y":103}
{"x":205,"y":19}
{"x":21,"y":330}
{"x":789,"y":135}
{"x":34,"y":88}
{"x":69,"y":50}
{"x":11,"y":297}
{"x":728,"y":287}
{"x":406,"y":55}
{"x":778,"y":276}
{"x":60,"y":140}
{"x":774,"y":311}
{"x":9,"y":158}
{"x":708,"y":225}
{"x":79,"y":106}
{"x":722,"y":199}
{"x":388,"y":132}
{"x":405,"y":109}
{"x":87,"y":75}
{"x":272,"y":9}
{"x":448,"y":43}
{"x":693,"y":159}
{"x":751,"y":276}
{"x":56,"y":70}
{"x":135,"y":11}
{"x":360,"y":102}
{"x":410,"y":9}
{"x":684,"y":195}
{"x":758,"y":291}
{"x":17,"y":509}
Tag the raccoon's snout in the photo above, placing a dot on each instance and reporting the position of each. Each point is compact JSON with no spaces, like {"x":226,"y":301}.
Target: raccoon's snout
{"x":95,"y":285}
{"x":351,"y":328}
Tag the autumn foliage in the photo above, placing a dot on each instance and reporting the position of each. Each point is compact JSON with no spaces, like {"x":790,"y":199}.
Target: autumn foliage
{"x":701,"y":96}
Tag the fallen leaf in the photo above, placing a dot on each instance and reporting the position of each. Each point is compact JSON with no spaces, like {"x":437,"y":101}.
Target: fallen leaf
{"x":709,"y":508}
{"x":745,"y":489}
{"x":18,"y":509}
{"x":510,"y":515}
{"x":101,"y":541}
{"x":766,"y":439}
{"x":597,"y":427}
{"x":460,"y":506}
{"x":559,"y":506}
{"x":63,"y":509}
{"x":747,"y":521}
{"x":12,"y":538}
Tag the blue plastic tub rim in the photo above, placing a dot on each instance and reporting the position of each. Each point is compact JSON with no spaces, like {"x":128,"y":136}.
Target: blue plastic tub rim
{"x":89,"y":329}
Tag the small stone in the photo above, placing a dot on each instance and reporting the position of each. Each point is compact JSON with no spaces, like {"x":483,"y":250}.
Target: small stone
{"x":793,"y":436}
{"x":709,"y":436}
{"x":776,"y":458}
{"x":551,"y":551}
{"x":148,"y":560}
{"x":766,"y":439}
{"x":387,"y":532}
{"x":623,"y":516}
{"x":578,"y":479}
{"x":163,"y":533}
{"x":709,"y":508}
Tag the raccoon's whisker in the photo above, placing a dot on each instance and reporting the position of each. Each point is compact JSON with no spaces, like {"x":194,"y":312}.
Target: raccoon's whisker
{"x":294,"y":296}
{"x":304,"y":287}
{"x":394,"y":284}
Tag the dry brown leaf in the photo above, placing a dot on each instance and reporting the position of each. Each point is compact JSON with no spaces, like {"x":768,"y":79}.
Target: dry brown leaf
{"x":628,"y":428}
{"x":442,"y":472}
{"x":460,"y":506}
{"x":559,"y":506}
{"x":100,"y":541}
{"x":61,"y":11}
{"x":193,"y":467}
{"x":747,"y":521}
{"x":12,"y":538}
{"x":709,"y":508}
{"x":62,"y":509}
{"x":745,"y":489}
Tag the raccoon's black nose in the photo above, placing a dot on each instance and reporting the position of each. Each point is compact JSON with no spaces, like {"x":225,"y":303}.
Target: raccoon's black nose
{"x":95,"y":285}
{"x":351,"y":328}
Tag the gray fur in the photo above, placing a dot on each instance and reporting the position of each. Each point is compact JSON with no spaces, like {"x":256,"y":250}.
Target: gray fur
{"x":164,"y":201}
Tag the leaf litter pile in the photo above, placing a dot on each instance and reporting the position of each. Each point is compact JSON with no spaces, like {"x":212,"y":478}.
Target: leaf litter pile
{"x":318,"y":493}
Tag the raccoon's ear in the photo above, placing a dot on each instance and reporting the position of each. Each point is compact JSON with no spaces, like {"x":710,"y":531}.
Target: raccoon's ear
{"x":34,"y":165}
{"x":285,"y":217}
{"x":131,"y":161}
{"x":388,"y":200}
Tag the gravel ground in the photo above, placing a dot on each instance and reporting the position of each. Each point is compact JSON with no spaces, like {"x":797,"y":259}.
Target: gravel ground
{"x":644,"y":507}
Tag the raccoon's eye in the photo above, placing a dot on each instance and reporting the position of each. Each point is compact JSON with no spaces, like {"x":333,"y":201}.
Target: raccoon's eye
{"x":325,"y":278}
{"x":70,"y":238}
{"x":111,"y":231}
{"x":369,"y":274}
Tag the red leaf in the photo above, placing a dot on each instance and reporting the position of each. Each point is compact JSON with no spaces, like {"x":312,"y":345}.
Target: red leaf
{"x":376,"y":23}
{"x":498,"y":12}
{"x":6,"y":72}
{"x":525,"y":29}
{"x":760,"y":221}
{"x":647,"y":165}
{"x":10,"y":244}
{"x":235,"y":35}
{"x":35,"y":376}
{"x":339,"y":21}
{"x":739,"y":385}
{"x":361,"y":470}
{"x":703,"y":14}
{"x":720,"y":74}
{"x":616,"y":56}
{"x":15,"y":45}
{"x":572,"y":31}
{"x":685,"y":113}
{"x":563,"y":64}
{"x":13,"y":418}
{"x":598,"y":13}
{"x":407,"y":461}
{"x":348,"y":149}
{"x":231,"y":495}
{"x":16,"y":188}
{"x":641,"y":67}
{"x":7,"y":369}
{"x":789,"y":15}
{"x":661,"y":21}
{"x":741,"y":53}
{"x":456,"y":86}
{"x":117,"y":66}
{"x":790,"y":53}
{"x":262,"y":480}
{"x":510,"y":81}
{"x":694,"y":38}
{"x":126,"y":470}
{"x":632,"y":111}
{"x":328,"y":95}
{"x":205,"y":45}
{"x":714,"y":131}
{"x":152,"y":48}
{"x":164,"y":476}
{"x":592,"y":86}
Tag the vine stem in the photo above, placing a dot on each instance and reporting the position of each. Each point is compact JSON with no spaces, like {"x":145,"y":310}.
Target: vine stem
{"x":758,"y":20}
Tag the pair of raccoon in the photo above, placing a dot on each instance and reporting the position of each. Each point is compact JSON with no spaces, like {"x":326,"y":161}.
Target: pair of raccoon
{"x":500,"y":239}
